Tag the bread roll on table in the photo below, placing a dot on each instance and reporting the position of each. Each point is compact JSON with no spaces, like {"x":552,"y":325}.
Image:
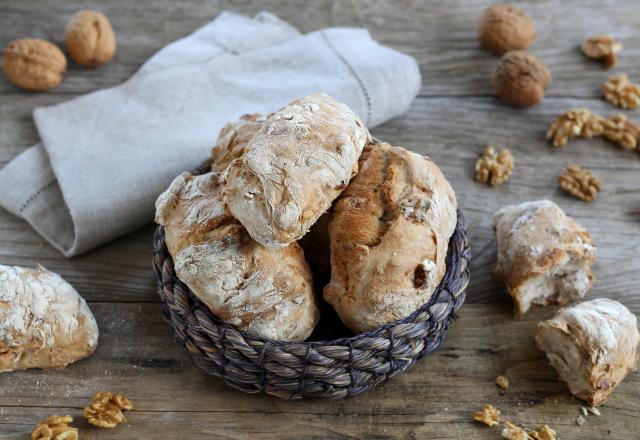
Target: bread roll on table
{"x":293,"y":168}
{"x":262,"y":291}
{"x":389,"y":234}
{"x":592,"y":346}
{"x":544,"y":256}
{"x":44,"y":322}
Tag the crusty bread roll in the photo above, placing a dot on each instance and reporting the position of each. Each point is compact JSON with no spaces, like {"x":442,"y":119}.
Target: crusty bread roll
{"x":233,"y":139}
{"x":389,"y":233}
{"x":44,"y":323}
{"x":294,"y":167}
{"x":544,"y":256}
{"x":262,"y":291}
{"x":592,"y":346}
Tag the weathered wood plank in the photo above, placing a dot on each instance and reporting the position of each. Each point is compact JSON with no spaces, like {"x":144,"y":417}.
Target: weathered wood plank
{"x":440,"y":35}
{"x":137,"y":355}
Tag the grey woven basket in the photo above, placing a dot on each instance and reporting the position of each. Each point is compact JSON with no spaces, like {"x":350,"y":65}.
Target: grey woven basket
{"x":328,"y":368}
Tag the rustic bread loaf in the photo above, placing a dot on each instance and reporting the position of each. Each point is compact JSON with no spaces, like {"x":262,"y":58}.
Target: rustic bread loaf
{"x":592,"y":346}
{"x":294,"y":167}
{"x":389,"y":234}
{"x":262,"y":291}
{"x":44,"y":323}
{"x":233,"y":139}
{"x":544,"y":256}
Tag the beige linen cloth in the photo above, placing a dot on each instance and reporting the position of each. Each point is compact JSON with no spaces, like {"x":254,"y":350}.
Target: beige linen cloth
{"x":106,"y":156}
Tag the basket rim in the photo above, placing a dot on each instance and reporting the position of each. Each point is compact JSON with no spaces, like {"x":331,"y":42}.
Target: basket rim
{"x":160,"y":247}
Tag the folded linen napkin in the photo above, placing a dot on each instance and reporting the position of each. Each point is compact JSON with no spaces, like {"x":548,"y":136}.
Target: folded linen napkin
{"x":105,"y":156}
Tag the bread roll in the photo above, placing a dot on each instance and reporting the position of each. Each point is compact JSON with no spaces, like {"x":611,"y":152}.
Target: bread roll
{"x":294,"y":167}
{"x":592,"y":346}
{"x":544,"y":256}
{"x":262,"y":291}
{"x":389,"y":233}
{"x":44,"y":323}
{"x":233,"y":139}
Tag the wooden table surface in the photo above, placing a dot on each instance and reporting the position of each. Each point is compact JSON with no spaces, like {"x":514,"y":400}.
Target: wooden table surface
{"x":452,"y":120}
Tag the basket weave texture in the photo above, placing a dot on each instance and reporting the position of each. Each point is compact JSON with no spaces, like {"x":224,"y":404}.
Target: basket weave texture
{"x":329,"y":369}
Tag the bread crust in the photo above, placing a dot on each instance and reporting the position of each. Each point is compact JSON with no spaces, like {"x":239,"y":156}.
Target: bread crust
{"x":544,"y":256}
{"x":389,"y":234}
{"x":262,"y":291}
{"x":592,"y":345}
{"x":44,"y":322}
{"x":294,"y":167}
{"x":233,"y":140}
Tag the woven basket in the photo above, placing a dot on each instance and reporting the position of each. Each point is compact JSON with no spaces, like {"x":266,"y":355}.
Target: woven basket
{"x":334,"y":368}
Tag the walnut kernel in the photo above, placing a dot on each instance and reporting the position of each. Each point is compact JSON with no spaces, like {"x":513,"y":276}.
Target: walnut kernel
{"x":89,"y":38}
{"x":494,"y":168}
{"x":106,"y":408}
{"x":504,"y":27}
{"x":502,"y":382}
{"x":544,"y":433}
{"x":577,"y":122}
{"x":513,"y":432}
{"x":580,"y":183}
{"x":55,"y":428}
{"x":520,"y":78}
{"x":621,"y":92}
{"x":622,"y":131}
{"x":489,"y":416}
{"x":33,"y":64}
{"x":602,"y":47}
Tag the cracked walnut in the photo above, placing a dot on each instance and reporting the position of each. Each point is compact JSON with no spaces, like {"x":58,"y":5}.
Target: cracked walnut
{"x":489,"y":415}
{"x":621,"y":92}
{"x":604,"y":48}
{"x":577,"y":122}
{"x":580,"y":183}
{"x":106,"y":408}
{"x":55,"y":428}
{"x":513,"y":432}
{"x":494,"y":168}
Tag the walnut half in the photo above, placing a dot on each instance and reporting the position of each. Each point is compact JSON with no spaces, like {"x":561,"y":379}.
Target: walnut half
{"x":489,"y":415}
{"x":602,"y":47}
{"x":55,"y":428}
{"x":494,"y":168}
{"x":621,"y":92}
{"x":580,"y":183}
{"x":106,"y":408}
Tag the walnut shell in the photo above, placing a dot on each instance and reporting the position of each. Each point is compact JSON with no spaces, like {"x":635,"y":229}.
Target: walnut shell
{"x":33,"y":64}
{"x":520,"y":78}
{"x":89,"y":38}
{"x":502,"y":28}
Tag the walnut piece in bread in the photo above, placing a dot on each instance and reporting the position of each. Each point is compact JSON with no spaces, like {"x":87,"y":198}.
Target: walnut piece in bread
{"x":44,"y":322}
{"x":293,"y":169}
{"x":233,"y":139}
{"x":262,"y":291}
{"x":592,"y":345}
{"x":544,"y":256}
{"x":389,"y":233}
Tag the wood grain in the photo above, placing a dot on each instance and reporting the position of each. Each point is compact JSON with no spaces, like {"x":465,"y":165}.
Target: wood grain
{"x":452,"y":120}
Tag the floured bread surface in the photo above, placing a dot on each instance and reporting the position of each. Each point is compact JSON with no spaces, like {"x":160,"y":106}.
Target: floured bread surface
{"x":544,"y":256}
{"x":262,"y":291}
{"x":44,"y":322}
{"x":294,"y":167}
{"x":233,"y":140}
{"x":592,"y":346}
{"x":389,"y":233}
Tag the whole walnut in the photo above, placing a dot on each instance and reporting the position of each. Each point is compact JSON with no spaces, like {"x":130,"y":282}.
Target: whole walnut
{"x":520,"y":78}
{"x":33,"y":64}
{"x":502,"y":28}
{"x":89,"y":38}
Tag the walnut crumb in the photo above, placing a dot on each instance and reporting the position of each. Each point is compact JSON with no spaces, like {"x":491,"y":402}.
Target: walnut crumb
{"x":594,"y":411}
{"x":622,"y":131}
{"x":502,"y":382}
{"x":513,"y":432}
{"x":604,"y":48}
{"x":489,"y":415}
{"x":577,"y":122}
{"x":580,"y":420}
{"x":544,"y":433}
{"x":494,"y":168}
{"x":621,"y":92}
{"x":580,"y":183}
{"x":55,"y":428}
{"x":106,"y":408}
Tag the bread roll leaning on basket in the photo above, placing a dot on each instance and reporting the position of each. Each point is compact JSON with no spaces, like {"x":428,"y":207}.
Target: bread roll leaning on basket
{"x":233,"y":279}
